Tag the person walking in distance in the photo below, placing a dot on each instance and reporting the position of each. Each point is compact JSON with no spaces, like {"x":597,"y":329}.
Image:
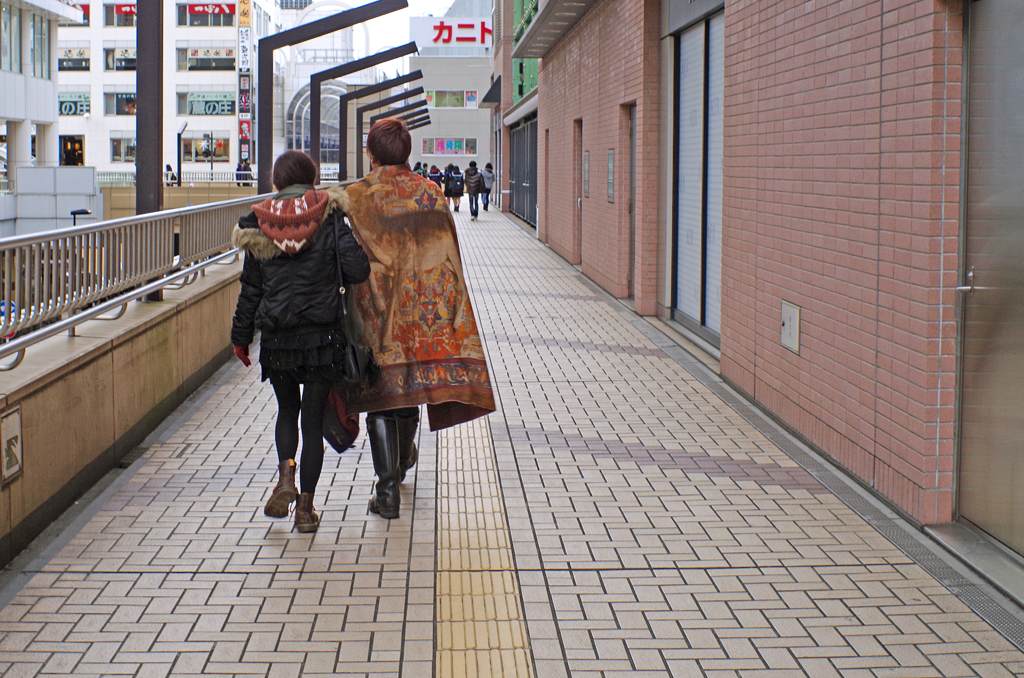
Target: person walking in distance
{"x":435,"y":175}
{"x":435,"y":357}
{"x":238,"y":174}
{"x":456,"y":186}
{"x":294,"y":244}
{"x":474,"y":186}
{"x":488,"y":174}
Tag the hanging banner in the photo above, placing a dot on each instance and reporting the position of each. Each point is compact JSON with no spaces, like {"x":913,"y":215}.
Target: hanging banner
{"x":245,"y":13}
{"x":244,"y":49}
{"x":244,"y":130}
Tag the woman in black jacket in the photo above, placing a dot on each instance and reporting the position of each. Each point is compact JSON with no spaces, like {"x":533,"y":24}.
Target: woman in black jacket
{"x":293,"y":244}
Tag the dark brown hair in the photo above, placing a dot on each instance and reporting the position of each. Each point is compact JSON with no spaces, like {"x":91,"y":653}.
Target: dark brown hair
{"x":294,"y":167}
{"x":389,"y":142}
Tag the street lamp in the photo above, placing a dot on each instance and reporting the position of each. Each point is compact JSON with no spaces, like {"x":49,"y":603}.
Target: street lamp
{"x":181,"y":130}
{"x":78,"y":213}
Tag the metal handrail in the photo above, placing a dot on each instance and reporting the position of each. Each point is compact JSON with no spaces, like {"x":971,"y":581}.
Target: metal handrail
{"x":195,"y":176}
{"x":47,"y":276}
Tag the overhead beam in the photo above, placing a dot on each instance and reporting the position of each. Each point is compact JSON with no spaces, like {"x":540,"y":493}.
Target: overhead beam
{"x":317,"y":79}
{"x":265,"y":71}
{"x":359,"y":94}
{"x":359,"y":123}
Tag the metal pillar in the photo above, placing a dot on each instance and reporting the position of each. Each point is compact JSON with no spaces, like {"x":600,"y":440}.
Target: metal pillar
{"x":317,"y":79}
{"x":149,"y":100}
{"x":359,"y":94}
{"x":265,"y":71}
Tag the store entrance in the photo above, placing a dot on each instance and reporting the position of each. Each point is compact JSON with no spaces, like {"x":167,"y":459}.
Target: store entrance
{"x":72,"y":150}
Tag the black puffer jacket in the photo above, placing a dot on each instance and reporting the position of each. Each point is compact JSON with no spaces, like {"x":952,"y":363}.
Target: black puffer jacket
{"x":282,"y":292}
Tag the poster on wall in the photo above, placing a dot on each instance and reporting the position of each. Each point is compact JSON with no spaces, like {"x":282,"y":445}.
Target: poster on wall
{"x":10,"y":431}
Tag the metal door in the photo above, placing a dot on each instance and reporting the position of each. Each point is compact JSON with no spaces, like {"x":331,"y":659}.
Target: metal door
{"x":991,"y":362}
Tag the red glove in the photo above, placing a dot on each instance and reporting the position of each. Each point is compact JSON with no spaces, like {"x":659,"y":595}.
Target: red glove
{"x":242,"y":353}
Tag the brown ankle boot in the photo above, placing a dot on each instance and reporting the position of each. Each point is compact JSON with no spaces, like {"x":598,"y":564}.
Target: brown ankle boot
{"x":305,"y":518}
{"x":284,"y":492}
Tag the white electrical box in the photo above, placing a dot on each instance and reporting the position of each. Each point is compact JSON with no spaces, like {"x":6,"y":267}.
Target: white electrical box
{"x":791,"y":327}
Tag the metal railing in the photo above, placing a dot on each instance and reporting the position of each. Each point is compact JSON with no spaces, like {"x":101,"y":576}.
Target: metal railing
{"x":50,"y":282}
{"x":108,"y":178}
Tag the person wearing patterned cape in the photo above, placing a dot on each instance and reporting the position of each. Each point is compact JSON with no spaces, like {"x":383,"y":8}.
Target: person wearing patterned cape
{"x":416,"y":312}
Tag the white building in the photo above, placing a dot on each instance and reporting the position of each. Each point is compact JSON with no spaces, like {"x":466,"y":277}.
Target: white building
{"x":36,"y":194}
{"x":455,"y":57}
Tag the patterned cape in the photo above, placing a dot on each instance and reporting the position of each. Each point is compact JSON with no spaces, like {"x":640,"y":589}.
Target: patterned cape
{"x":415,"y":307}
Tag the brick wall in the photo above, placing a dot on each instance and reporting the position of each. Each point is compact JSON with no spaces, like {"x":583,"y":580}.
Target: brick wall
{"x":607,"y":62}
{"x":842,"y":157}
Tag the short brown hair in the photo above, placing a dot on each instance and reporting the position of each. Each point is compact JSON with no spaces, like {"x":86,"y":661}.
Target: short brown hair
{"x":294,"y":167}
{"x":389,"y":142}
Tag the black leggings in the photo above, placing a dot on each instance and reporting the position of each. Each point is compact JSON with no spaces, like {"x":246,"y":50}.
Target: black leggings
{"x":311,"y":406}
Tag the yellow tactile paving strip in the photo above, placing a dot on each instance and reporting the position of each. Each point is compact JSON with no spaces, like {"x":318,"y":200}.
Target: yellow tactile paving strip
{"x":481,"y":630}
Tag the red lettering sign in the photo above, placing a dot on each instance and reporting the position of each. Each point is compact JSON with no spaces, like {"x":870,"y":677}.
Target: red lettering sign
{"x":211,"y":9}
{"x":125,"y":9}
{"x":84,"y":8}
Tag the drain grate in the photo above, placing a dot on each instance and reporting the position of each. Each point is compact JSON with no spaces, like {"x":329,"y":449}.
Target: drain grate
{"x":133,"y":456}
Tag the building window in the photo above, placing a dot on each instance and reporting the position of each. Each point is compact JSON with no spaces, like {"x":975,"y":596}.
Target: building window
{"x":206,"y":15}
{"x":73,"y":103}
{"x":10,"y":38}
{"x":119,"y":15}
{"x":73,"y":59}
{"x":121,"y":59}
{"x":206,"y":59}
{"x":119,"y":103}
{"x":439,"y":146}
{"x":122,"y":150}
{"x":451,"y":99}
{"x":207,"y":148}
{"x":39,"y":46}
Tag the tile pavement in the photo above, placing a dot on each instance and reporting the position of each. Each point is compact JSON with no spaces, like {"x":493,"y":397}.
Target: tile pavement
{"x":644,"y":528}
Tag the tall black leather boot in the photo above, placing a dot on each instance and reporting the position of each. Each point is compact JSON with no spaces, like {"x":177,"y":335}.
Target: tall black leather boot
{"x":408,"y":452}
{"x":383,"y":435}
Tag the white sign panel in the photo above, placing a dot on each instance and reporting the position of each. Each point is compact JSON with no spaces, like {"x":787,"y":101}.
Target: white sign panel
{"x":447,"y":31}
{"x":244,"y":49}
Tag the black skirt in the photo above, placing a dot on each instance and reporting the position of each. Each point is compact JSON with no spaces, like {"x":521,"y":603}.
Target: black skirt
{"x":305,"y":354}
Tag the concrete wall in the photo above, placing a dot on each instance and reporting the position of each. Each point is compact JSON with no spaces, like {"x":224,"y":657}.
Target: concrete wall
{"x":88,"y":400}
{"x":119,"y":201}
{"x":842,"y":193}
{"x":45,"y":197}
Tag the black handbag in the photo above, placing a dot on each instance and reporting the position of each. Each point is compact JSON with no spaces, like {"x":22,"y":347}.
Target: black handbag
{"x":359,"y":365}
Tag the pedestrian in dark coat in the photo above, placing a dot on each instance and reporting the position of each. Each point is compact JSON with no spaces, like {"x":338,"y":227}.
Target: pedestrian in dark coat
{"x":435,"y":175}
{"x":488,"y":175}
{"x":474,"y":187}
{"x":455,"y":186}
{"x":293,"y":243}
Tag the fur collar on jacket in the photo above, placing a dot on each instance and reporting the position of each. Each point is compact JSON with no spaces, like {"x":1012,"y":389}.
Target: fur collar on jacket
{"x":249,"y":236}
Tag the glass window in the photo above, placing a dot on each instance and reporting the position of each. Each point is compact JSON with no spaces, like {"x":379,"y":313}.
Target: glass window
{"x":119,"y":15}
{"x":73,"y":59}
{"x":39,"y":46}
{"x":183,"y":15}
{"x":122,"y":150}
{"x":206,"y":59}
{"x":10,"y":38}
{"x":121,"y":59}
{"x":206,"y":148}
{"x":119,"y":103}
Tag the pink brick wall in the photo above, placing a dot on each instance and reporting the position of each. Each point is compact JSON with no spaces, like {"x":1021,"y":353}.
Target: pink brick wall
{"x":841,"y":196}
{"x":607,"y":61}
